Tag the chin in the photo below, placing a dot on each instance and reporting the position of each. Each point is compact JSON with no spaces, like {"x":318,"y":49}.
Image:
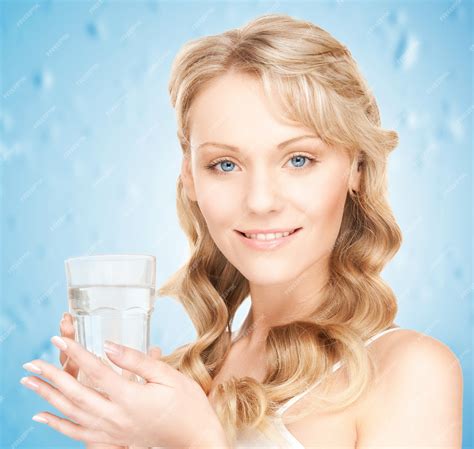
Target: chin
{"x":269,"y":276}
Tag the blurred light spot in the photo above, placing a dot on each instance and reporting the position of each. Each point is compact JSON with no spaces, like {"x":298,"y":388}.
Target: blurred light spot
{"x":43,"y":79}
{"x":51,"y":133}
{"x":95,"y":30}
{"x":458,"y":272}
{"x":406,"y":53}
{"x":6,"y":122}
{"x":456,"y":129}
{"x":397,"y":18}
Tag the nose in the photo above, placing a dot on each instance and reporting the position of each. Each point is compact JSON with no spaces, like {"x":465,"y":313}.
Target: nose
{"x":263,"y":193}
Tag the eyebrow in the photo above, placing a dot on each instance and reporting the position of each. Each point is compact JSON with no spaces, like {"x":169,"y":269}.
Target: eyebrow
{"x":280,"y":146}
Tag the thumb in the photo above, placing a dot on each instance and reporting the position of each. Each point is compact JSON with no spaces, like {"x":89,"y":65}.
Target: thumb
{"x":137,"y":362}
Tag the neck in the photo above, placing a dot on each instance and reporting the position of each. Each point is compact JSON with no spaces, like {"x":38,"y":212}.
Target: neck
{"x":279,"y":304}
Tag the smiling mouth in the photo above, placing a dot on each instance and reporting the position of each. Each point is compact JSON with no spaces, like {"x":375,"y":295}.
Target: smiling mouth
{"x":268,"y":236}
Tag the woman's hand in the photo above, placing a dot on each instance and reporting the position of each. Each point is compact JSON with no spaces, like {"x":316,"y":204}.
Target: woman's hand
{"x":66,"y":327}
{"x":171,"y":409}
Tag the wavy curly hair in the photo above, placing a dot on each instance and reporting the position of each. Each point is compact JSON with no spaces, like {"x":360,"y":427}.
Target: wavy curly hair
{"x":317,"y":84}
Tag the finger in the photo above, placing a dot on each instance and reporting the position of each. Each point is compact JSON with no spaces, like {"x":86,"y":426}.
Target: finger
{"x":84,"y":397}
{"x":94,"y":368}
{"x":66,"y":326}
{"x":61,"y":402}
{"x":154,"y":353}
{"x":144,"y":365}
{"x":68,"y":364}
{"x":64,"y":332}
{"x":67,"y":330}
{"x":69,"y":321}
{"x":75,"y":431}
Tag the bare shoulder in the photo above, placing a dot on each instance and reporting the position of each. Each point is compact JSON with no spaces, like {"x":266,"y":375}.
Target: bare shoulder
{"x":411,"y":349}
{"x":416,"y":397}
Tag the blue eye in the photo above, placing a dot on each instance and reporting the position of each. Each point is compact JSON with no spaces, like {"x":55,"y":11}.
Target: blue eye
{"x":301,"y":157}
{"x":227,"y":162}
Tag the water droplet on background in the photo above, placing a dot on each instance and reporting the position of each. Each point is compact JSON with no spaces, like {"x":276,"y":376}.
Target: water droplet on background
{"x":43,"y":79}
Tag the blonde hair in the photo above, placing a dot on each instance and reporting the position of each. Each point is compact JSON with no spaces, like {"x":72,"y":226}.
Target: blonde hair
{"x":317,"y":83}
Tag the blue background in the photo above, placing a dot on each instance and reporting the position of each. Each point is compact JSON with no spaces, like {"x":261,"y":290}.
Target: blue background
{"x":89,"y":160}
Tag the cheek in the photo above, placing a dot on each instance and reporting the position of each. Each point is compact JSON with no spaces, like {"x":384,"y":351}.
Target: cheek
{"x":321,"y":202}
{"x":217,"y":203}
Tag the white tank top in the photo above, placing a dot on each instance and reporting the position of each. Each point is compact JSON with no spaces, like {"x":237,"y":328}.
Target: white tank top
{"x":257,"y":439}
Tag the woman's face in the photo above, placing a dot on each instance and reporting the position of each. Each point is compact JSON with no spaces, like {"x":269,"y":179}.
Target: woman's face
{"x":263,"y":183}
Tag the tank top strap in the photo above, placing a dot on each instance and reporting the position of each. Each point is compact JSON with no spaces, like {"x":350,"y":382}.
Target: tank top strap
{"x":335,"y":367}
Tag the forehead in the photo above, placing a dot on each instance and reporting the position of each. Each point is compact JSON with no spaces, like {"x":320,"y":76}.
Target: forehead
{"x":233,"y":108}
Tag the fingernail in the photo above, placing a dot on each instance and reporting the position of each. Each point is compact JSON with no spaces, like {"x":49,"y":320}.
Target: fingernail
{"x":59,"y":342}
{"x":39,"y":418}
{"x":29,"y":366}
{"x":112,"y":348}
{"x":27,"y":382}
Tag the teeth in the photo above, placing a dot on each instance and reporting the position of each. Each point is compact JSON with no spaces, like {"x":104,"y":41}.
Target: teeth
{"x":269,"y":236}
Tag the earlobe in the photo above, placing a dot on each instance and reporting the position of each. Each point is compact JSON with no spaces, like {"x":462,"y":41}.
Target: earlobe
{"x":187,"y":179}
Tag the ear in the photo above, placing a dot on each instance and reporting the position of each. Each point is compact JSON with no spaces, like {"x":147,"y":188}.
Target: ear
{"x":356,"y":172}
{"x":187,"y":178}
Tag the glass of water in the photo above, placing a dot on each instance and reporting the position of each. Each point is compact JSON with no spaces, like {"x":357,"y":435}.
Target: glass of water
{"x":111,"y":297}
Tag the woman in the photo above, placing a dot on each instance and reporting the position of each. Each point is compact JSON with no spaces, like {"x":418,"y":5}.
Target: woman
{"x":283,"y":197}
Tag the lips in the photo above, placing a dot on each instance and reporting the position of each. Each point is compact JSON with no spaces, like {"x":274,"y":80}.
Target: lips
{"x":271,"y":244}
{"x":268,"y":231}
{"x":258,"y":231}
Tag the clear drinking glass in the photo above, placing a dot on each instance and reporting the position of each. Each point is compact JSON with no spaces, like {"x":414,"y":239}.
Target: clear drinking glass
{"x":111,"y":297}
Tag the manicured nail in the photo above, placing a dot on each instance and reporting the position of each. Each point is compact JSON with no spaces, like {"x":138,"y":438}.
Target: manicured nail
{"x":112,"y":348}
{"x":30,"y":383}
{"x":59,"y":342}
{"x":32,"y":367}
{"x":40,"y":419}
